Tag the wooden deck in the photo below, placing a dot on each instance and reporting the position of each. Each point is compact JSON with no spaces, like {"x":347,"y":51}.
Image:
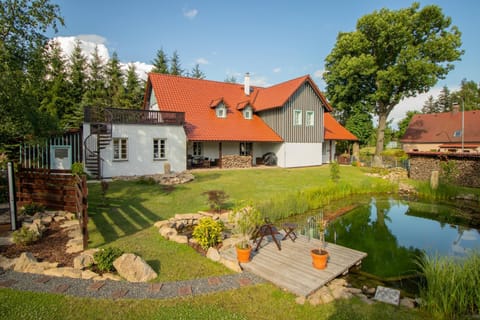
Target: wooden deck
{"x":291,"y":268}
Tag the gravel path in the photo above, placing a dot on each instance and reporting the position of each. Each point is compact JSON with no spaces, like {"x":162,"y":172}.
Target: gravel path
{"x":122,"y":289}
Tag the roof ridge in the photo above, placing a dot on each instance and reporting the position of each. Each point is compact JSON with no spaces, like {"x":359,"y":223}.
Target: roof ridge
{"x":198,"y":79}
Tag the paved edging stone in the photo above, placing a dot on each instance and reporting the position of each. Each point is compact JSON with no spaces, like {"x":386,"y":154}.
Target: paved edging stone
{"x":108,"y":289}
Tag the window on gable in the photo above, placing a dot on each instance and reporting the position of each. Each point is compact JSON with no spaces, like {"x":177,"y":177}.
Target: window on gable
{"x":159,"y":149}
{"x":120,"y":151}
{"x":221,"y":111}
{"x":197,"y":148}
{"x":247,"y":113}
{"x":297,"y":117}
{"x":310,"y":118}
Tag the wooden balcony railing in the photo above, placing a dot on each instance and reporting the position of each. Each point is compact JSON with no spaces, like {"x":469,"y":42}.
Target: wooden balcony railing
{"x":129,"y":116}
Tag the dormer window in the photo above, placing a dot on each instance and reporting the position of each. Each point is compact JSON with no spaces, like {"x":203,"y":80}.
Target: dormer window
{"x":248,"y":113}
{"x":221,"y":111}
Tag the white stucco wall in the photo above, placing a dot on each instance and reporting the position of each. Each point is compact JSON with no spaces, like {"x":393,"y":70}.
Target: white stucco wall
{"x":299,"y":155}
{"x":140,"y":150}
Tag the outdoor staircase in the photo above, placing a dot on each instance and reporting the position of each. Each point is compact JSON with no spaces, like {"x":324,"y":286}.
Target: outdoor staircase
{"x":99,"y":138}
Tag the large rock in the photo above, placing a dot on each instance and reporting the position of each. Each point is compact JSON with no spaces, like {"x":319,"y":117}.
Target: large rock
{"x":167,"y":232}
{"x":22,"y":262}
{"x":179,"y":239}
{"x":83,"y":261}
{"x":134,"y":268}
{"x":64,"y":272}
{"x":6,"y":263}
{"x":213,"y":254}
{"x":231,"y":264}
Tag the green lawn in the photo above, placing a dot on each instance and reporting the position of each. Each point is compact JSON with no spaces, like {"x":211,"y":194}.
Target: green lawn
{"x":125,"y":217}
{"x":263,"y":301}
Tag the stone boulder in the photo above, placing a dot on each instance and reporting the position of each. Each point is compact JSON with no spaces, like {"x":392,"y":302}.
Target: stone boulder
{"x":84,"y":260}
{"x":213,"y":254}
{"x":133,"y":268}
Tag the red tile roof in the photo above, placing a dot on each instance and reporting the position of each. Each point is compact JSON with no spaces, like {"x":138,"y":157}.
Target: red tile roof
{"x":335,"y":131}
{"x":197,"y":97}
{"x":440,"y":127}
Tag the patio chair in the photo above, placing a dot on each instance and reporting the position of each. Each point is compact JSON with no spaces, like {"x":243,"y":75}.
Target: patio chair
{"x":266,"y":229}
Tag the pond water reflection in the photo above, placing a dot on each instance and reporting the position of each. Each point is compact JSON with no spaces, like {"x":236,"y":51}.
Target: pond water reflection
{"x":395,"y":232}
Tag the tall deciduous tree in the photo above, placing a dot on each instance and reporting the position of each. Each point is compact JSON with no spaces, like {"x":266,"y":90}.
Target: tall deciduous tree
{"x":403,"y":124}
{"x":392,"y":54}
{"x":468,"y":95}
{"x":22,"y":27}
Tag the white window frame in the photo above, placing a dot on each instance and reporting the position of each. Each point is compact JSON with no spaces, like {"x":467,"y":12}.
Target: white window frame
{"x":310,"y":118}
{"x":157,"y":145}
{"x":197,"y":148}
{"x":297,"y":117}
{"x":221,"y":111}
{"x":248,"y":113}
{"x":120,"y":149}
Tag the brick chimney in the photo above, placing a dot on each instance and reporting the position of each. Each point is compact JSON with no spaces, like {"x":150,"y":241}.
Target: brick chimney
{"x":246,"y":84}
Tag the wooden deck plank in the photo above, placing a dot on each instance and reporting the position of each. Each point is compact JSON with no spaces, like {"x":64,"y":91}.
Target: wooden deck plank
{"x":291,"y":267}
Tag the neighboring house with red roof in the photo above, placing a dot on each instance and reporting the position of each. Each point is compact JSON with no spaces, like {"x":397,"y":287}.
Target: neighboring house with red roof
{"x":442,"y":132}
{"x":190,"y":121}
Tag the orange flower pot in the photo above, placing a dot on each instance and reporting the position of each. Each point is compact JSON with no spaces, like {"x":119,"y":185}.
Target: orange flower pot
{"x":319,"y":258}
{"x":243,"y":255}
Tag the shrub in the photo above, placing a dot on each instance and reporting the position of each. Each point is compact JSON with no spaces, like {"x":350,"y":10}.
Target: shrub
{"x":334,"y":171}
{"x":25,"y":236}
{"x":105,"y":257}
{"x":31,"y":208}
{"x":216,"y":199}
{"x":77,"y":169}
{"x":208,"y":232}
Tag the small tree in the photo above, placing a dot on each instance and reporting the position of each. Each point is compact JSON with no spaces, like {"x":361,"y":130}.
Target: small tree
{"x":334,"y":171}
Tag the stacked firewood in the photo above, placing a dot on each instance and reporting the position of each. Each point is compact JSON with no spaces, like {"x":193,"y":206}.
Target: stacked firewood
{"x":234,"y":161}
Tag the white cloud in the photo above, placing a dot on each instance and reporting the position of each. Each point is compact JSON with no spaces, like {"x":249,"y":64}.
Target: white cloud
{"x":277,"y":70}
{"x":190,"y":14}
{"x":411,"y":104}
{"x":319,"y":73}
{"x":88,"y":43}
{"x":202,"y":61}
{"x":258,"y":81}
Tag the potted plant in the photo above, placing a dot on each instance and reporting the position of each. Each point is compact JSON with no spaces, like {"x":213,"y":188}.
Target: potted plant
{"x":245,"y":221}
{"x":320,"y":255}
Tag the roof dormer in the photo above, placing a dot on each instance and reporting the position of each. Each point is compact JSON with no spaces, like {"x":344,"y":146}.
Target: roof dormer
{"x":246,"y":109}
{"x":220,"y":107}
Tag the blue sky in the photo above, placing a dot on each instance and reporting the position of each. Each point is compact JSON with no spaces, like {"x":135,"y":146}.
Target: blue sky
{"x":273,"y":40}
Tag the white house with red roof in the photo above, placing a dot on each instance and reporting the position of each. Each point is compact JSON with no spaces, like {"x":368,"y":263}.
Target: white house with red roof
{"x":187,"y":122}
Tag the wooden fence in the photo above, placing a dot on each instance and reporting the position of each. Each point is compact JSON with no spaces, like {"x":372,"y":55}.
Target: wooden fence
{"x":57,"y":190}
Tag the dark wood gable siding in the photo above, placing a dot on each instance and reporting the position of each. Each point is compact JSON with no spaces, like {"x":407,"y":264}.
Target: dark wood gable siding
{"x":282,"y":122}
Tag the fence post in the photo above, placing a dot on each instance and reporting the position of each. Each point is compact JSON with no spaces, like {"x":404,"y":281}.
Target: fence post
{"x":11,"y":196}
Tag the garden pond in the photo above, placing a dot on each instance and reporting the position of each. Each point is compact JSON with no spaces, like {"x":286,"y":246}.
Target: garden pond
{"x":395,"y":233}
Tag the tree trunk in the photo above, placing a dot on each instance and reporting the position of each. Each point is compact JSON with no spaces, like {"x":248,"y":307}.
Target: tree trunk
{"x":382,"y":124}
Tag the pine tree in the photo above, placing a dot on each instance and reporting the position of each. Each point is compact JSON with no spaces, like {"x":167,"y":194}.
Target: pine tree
{"x":115,"y":88}
{"x":444,"y":100}
{"x":56,"y":102}
{"x":133,"y":89}
{"x":197,"y":73}
{"x":96,"y":94}
{"x":430,"y":106}
{"x":230,"y":79}
{"x":175,"y":65}
{"x":160,"y":64}
{"x":77,"y":86}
